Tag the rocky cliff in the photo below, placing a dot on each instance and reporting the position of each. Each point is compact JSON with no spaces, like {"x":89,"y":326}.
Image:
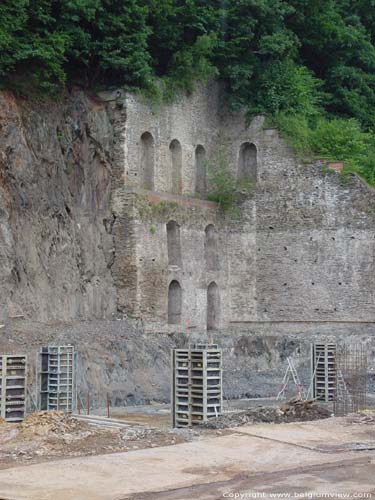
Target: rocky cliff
{"x":56,"y":249}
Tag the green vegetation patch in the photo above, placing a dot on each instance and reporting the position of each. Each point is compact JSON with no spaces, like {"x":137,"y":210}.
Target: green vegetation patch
{"x":336,"y":139}
{"x":273,"y":55}
{"x":224,"y":188}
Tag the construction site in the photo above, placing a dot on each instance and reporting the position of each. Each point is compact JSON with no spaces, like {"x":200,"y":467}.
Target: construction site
{"x":154,"y":346}
{"x":307,"y":442}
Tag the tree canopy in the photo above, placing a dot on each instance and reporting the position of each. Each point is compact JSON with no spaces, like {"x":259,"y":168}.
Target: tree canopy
{"x":273,"y":54}
{"x":309,"y":57}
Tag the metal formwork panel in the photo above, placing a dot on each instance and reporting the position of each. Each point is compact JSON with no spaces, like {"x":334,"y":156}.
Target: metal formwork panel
{"x":196,"y":385}
{"x":181,"y":382}
{"x":57,"y":378}
{"x":324,"y":371}
{"x":13,"y":387}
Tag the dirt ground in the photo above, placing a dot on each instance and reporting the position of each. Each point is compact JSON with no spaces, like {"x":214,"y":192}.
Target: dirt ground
{"x":45,"y":436}
{"x":334,"y":458}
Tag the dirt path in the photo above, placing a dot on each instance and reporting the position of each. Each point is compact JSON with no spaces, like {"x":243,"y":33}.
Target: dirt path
{"x":314,"y":480}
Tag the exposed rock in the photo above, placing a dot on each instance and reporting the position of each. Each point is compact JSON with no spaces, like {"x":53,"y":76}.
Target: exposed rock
{"x":55,"y":185}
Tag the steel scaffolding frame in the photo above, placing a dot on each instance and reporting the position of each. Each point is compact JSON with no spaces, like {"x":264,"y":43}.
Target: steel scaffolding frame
{"x":13,"y":380}
{"x":57,"y":378}
{"x":351,"y":379}
{"x":196,"y":384}
{"x":323,"y":371}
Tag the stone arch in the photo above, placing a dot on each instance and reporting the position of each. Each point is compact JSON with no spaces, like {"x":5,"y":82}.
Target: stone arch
{"x":176,"y":162}
{"x":200,"y":171}
{"x":213,"y":306}
{"x":174,"y":244}
{"x":247,"y":162}
{"x":147,"y":161}
{"x":174,"y":303}
{"x":211,"y":248}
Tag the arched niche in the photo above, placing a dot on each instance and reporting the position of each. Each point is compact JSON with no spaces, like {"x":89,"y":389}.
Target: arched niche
{"x":174,"y":303}
{"x":247,"y":162}
{"x":200,"y":171}
{"x":213,"y":306}
{"x":176,"y":162}
{"x":211,"y":252}
{"x":174,"y":244}
{"x":147,"y":161}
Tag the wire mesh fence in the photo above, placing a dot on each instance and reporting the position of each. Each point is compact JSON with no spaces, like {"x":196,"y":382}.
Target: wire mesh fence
{"x":351,"y":379}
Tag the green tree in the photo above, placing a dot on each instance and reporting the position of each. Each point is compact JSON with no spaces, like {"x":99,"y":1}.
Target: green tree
{"x":336,"y":46}
{"x":32,"y":42}
{"x":253,"y":35}
{"x":274,"y":55}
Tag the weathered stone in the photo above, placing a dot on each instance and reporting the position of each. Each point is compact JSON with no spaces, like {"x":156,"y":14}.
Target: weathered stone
{"x":80,"y":239}
{"x":301,"y":251}
{"x":55,"y":183}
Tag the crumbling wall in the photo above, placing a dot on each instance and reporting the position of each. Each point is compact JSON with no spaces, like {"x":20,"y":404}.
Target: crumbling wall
{"x":146,"y":296}
{"x":301,"y":248}
{"x":191,"y":120}
{"x":315,"y":242}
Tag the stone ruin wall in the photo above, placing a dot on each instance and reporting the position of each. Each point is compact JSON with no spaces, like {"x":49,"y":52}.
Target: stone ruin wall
{"x":302,"y":251}
{"x":80,"y":240}
{"x":198,"y":121}
{"x":149,"y":297}
{"x":315,"y":244}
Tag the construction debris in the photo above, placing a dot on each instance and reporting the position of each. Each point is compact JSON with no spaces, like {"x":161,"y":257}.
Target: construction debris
{"x":47,"y":422}
{"x":295,"y":410}
{"x":54,"y":434}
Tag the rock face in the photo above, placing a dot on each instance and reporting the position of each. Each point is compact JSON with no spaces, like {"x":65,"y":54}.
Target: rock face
{"x":96,"y":192}
{"x":56,"y":250}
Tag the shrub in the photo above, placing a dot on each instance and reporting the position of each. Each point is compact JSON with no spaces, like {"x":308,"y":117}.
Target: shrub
{"x":339,"y":139}
{"x":285,"y":86}
{"x":335,"y":139}
{"x":297,"y":132}
{"x":223,"y":187}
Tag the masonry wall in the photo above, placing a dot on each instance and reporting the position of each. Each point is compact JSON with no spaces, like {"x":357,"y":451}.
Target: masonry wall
{"x":315,"y":242}
{"x":151,"y":214}
{"x":192,"y":120}
{"x":301,"y":250}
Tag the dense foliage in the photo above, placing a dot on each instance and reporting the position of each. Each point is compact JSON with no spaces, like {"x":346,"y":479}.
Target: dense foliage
{"x":309,"y":59}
